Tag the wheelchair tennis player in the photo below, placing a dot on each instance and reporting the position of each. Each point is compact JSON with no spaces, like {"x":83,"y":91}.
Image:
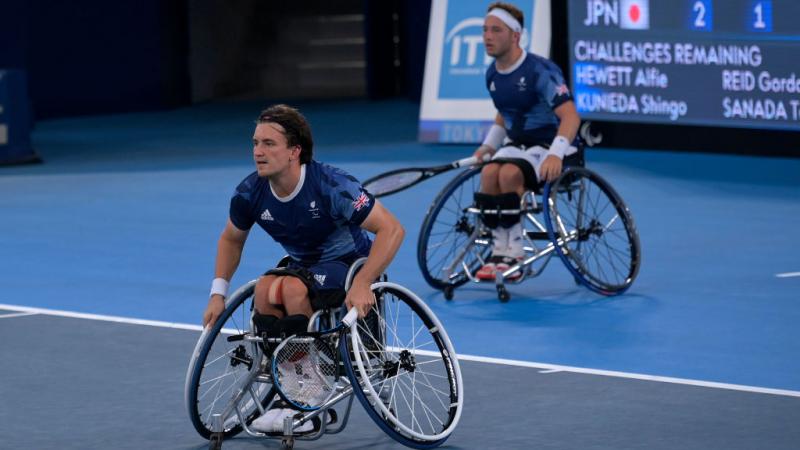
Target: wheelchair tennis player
{"x":320,"y":215}
{"x":534,"y":106}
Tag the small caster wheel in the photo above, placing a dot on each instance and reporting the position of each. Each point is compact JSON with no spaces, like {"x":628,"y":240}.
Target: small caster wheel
{"x":287,"y":443}
{"x":503,"y":295}
{"x":448,"y":293}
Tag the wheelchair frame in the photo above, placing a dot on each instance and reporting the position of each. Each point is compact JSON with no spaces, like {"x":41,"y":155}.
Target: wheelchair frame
{"x":253,"y":394}
{"x":474,"y":246}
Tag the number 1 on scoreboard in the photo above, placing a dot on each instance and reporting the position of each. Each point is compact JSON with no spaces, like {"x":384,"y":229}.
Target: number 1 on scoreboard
{"x":760,"y":16}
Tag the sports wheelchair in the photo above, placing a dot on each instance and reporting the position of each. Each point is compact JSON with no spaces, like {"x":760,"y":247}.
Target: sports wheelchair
{"x":578,"y":217}
{"x":398,"y":361}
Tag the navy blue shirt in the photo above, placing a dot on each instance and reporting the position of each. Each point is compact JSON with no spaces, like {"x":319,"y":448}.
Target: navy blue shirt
{"x":320,"y":221}
{"x":526,"y":95}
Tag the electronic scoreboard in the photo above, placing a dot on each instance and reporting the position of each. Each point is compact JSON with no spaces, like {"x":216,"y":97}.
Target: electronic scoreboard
{"x":732,"y":63}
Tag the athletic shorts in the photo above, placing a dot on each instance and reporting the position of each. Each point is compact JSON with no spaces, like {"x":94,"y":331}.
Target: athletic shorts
{"x":324,"y":281}
{"x":529,"y":160}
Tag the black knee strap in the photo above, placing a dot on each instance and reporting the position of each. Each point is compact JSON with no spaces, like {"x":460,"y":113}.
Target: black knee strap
{"x":294,"y":324}
{"x":273,"y":327}
{"x":486,"y":202}
{"x":264,"y":324}
{"x":509,"y":200}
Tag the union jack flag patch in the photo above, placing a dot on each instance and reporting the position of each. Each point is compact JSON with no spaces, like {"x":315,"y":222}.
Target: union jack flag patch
{"x":562,"y":90}
{"x":361,"y":202}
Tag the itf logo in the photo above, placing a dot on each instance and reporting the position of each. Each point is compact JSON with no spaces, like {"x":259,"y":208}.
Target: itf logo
{"x":627,"y":14}
{"x":463,"y":55}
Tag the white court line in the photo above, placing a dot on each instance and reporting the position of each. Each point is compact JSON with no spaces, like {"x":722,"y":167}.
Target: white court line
{"x":787,"y":274}
{"x":21,"y":314}
{"x":461,"y":357}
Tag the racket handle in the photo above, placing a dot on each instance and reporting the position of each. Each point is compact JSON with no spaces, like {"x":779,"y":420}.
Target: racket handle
{"x":351,"y":317}
{"x":471,"y":161}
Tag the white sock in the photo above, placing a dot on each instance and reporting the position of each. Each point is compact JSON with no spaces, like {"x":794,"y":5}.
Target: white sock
{"x":516,"y":244}
{"x":500,"y":241}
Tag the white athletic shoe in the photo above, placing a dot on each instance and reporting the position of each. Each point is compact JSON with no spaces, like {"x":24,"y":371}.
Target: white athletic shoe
{"x":272,"y":421}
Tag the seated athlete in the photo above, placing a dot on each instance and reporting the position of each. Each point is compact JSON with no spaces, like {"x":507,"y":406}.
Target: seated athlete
{"x":534,"y":106}
{"x":319,"y":215}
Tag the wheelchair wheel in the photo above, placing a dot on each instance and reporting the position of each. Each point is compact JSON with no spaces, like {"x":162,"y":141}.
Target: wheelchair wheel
{"x":404,"y":368}
{"x":448,"y":239}
{"x":593,"y":231}
{"x":221,"y":364}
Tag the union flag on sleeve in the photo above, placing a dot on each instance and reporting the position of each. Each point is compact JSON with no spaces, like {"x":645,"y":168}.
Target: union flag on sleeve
{"x":361,"y":202}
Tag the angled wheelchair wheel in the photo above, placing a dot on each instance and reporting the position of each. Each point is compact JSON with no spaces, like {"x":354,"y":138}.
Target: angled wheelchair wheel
{"x":450,"y":240}
{"x":404,"y":368}
{"x":593,"y":231}
{"x":221,"y":365}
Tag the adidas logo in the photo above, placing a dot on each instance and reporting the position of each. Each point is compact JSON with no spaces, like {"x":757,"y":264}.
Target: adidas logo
{"x":266,"y":215}
{"x":491,"y":87}
{"x":320,"y":279}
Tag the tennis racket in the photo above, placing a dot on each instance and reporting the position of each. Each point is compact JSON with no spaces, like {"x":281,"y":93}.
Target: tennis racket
{"x":397,"y":180}
{"x":305,"y":366}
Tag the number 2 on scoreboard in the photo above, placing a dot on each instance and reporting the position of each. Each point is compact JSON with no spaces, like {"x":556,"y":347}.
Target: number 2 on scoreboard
{"x":701,"y":15}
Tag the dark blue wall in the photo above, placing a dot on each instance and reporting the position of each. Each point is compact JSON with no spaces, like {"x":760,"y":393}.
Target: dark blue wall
{"x":94,"y":56}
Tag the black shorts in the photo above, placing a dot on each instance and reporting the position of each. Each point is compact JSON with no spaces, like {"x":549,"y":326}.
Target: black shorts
{"x":324,"y":281}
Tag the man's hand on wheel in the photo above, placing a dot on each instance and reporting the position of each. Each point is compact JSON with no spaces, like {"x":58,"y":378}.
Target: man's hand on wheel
{"x":360,"y":295}
{"x":216,"y":304}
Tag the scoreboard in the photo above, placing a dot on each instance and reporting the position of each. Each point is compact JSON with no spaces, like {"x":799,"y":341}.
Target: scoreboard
{"x":731,"y":63}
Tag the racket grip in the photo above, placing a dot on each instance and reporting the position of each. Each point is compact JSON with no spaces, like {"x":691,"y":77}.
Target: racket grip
{"x":471,"y":161}
{"x":351,"y":317}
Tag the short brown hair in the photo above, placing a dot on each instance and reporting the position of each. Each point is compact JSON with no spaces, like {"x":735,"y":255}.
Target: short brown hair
{"x":511,"y":9}
{"x":295,"y":128}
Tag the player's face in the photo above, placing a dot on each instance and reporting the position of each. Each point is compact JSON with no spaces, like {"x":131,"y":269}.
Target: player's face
{"x":270,"y":152}
{"x":497,"y":37}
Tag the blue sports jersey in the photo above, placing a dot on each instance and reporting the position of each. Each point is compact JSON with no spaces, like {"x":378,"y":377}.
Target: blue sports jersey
{"x":526,"y":95}
{"x":320,"y":221}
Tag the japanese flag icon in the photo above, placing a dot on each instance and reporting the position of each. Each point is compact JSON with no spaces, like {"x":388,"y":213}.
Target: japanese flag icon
{"x":634,"y":14}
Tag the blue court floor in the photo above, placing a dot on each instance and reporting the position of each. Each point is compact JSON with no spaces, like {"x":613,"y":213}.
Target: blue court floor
{"x":122,"y":219}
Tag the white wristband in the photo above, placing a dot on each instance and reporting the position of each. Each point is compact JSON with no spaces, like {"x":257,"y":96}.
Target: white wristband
{"x":219,"y":286}
{"x":495,"y":136}
{"x":559,"y":147}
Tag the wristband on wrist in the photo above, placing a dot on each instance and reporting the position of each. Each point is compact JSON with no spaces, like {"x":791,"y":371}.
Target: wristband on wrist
{"x":219,"y":286}
{"x":495,"y":136}
{"x":559,"y":147}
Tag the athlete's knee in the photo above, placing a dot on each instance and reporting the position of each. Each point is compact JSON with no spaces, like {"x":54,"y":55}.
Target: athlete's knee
{"x":293,"y":290}
{"x":489,"y":178}
{"x":261,"y":295}
{"x":510,"y":174}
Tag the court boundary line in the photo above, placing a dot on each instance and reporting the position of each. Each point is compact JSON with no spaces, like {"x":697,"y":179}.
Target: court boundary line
{"x":17,"y":314}
{"x":553,"y":368}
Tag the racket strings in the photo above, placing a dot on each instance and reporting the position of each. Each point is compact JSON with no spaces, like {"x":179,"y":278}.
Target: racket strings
{"x":393,"y":182}
{"x":306,"y":371}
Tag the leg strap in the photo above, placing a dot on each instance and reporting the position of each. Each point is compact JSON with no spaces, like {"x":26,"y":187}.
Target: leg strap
{"x":486,"y":202}
{"x":490,"y":204}
{"x":272,"y":326}
{"x":509,"y":200}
